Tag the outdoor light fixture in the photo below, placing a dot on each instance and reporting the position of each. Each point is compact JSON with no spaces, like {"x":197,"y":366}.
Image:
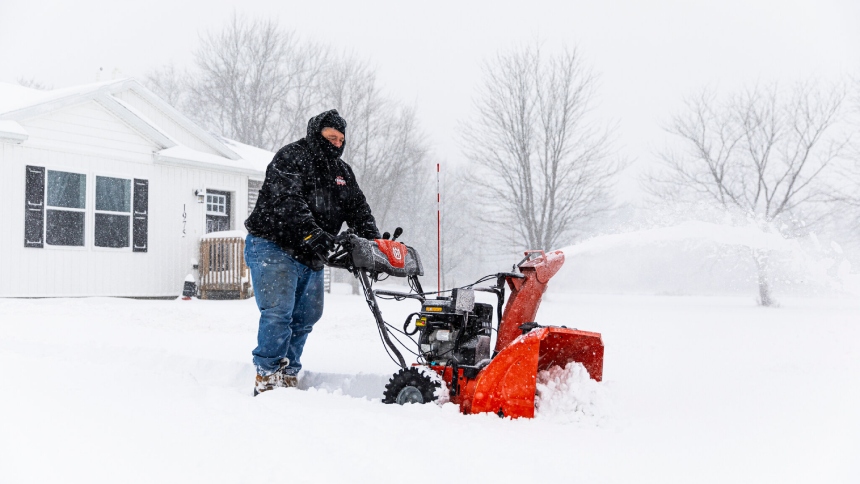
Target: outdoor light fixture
{"x":201,"y":194}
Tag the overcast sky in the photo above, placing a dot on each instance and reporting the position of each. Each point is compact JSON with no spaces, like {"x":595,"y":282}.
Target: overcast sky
{"x":649,"y":54}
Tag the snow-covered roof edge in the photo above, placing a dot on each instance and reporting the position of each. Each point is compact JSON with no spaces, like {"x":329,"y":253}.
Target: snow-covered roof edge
{"x":48,"y":101}
{"x":12,"y":131}
{"x":27,"y":102}
{"x":184,"y":156}
{"x":258,"y":158}
{"x":211,"y":140}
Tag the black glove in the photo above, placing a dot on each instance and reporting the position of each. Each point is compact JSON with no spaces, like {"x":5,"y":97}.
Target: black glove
{"x":320,"y":243}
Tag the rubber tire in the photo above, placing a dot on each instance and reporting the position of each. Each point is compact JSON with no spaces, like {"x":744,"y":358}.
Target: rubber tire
{"x":410,"y":377}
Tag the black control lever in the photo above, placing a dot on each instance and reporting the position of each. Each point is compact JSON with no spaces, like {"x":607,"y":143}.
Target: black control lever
{"x":386,"y":235}
{"x":397,"y":233}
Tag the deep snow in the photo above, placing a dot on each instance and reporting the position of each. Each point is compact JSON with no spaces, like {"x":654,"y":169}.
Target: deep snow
{"x":696,"y":389}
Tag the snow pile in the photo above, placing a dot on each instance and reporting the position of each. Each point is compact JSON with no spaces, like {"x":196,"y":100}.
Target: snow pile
{"x":361,"y":385}
{"x":569,"y":395}
{"x":160,"y":391}
{"x":226,"y":234}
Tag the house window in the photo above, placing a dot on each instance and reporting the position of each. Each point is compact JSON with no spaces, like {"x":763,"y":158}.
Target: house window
{"x":218,"y":218}
{"x":55,"y":210}
{"x":65,"y":208}
{"x":113,"y":212}
{"x":216,"y":204}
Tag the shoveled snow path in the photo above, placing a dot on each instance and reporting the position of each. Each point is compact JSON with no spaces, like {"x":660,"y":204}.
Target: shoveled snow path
{"x":700,"y":390}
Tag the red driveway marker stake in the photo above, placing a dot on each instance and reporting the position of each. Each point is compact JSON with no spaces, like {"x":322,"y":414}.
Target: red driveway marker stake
{"x":438,"y":233}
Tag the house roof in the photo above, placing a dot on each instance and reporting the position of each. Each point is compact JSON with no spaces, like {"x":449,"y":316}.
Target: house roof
{"x":14,"y":97}
{"x":17,"y":103}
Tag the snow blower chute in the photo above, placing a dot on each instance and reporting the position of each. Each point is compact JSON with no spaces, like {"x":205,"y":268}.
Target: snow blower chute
{"x":454,"y":332}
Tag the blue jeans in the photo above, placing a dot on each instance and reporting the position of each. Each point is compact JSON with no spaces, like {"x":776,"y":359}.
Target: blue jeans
{"x":290,"y":297}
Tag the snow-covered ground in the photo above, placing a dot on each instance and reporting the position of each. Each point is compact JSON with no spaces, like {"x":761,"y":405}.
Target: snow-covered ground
{"x":696,"y":389}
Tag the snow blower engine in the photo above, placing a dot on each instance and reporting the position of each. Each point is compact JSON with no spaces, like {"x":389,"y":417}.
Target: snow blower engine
{"x":452,"y":333}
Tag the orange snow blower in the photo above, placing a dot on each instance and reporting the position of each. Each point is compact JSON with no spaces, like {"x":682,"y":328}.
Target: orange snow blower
{"x":454,"y":331}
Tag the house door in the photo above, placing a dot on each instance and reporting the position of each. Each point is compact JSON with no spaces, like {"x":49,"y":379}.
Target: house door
{"x":218,"y":211}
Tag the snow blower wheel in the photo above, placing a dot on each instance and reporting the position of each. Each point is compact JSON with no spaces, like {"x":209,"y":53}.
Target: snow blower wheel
{"x":410,"y":386}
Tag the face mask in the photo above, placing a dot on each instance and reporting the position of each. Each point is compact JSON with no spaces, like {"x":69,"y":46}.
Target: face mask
{"x":327,"y":149}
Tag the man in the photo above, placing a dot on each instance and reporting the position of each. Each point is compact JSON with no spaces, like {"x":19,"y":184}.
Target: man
{"x":308,"y":193}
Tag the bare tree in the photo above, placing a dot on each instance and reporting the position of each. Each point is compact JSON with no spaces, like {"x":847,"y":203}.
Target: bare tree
{"x":33,"y":83}
{"x":464,"y":249}
{"x":546,"y":167}
{"x":171,"y":84}
{"x":385,"y":147}
{"x":255,"y":82}
{"x":849,"y":220}
{"x":852,"y":175}
{"x":258,"y":84}
{"x":762,"y":152}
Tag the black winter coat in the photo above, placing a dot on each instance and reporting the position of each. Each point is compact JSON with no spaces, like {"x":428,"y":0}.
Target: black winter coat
{"x":308,"y":186}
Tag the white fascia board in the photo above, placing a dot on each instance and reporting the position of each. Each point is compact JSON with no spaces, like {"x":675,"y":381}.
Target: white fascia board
{"x":205,"y":165}
{"x":136,"y":120}
{"x":47,"y":107}
{"x":100,"y":96}
{"x":12,"y":131}
{"x":180,"y":118}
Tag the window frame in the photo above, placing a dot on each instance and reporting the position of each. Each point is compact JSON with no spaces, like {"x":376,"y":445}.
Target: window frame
{"x":222,"y":203}
{"x":84,"y":210}
{"x":88,"y":210}
{"x":228,"y":197}
{"x":129,"y":214}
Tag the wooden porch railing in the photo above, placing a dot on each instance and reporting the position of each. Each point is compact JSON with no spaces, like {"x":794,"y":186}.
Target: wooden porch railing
{"x":222,"y":270}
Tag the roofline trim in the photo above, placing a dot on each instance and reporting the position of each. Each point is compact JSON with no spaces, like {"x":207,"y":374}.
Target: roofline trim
{"x":177,"y":116}
{"x":173,"y":160}
{"x":103,"y":94}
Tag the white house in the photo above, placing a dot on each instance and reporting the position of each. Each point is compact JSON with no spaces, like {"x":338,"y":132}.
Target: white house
{"x":107,"y":190}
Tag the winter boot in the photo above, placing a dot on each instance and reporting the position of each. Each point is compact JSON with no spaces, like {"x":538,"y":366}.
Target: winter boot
{"x":290,"y":381}
{"x":278,"y":379}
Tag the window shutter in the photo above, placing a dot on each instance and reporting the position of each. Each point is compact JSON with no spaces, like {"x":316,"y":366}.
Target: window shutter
{"x":140,"y":224}
{"x":34,"y":207}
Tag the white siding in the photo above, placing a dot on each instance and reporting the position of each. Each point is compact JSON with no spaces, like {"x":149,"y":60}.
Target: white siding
{"x":253,"y":193}
{"x":88,"y":129}
{"x":11,"y":216}
{"x":165,"y":122}
{"x":87,"y":139}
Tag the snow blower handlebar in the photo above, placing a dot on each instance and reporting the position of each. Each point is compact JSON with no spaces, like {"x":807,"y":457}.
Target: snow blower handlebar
{"x":365,"y":260}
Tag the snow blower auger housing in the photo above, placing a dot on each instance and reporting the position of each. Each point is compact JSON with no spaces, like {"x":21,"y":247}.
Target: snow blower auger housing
{"x":454,"y":332}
